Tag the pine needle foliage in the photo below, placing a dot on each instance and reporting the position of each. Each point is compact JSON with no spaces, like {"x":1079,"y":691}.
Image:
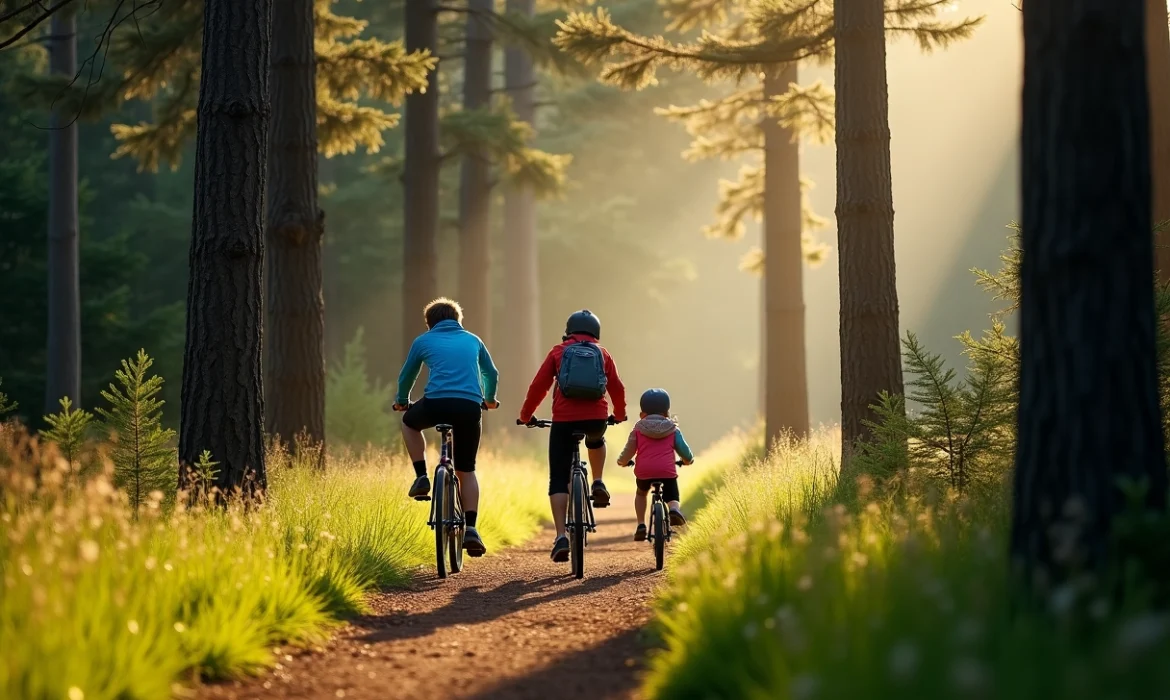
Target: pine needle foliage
{"x":203,"y":474}
{"x":68,"y":430}
{"x":496,"y":133}
{"x":356,"y":408}
{"x":6,"y":404}
{"x":143,"y":452}
{"x":158,"y":58}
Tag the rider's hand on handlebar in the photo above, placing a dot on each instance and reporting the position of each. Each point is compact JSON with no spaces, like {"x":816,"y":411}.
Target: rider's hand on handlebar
{"x":490,"y":405}
{"x":399,"y":408}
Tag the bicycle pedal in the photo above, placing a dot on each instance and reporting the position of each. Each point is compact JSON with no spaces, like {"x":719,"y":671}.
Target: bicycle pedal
{"x":422,"y":498}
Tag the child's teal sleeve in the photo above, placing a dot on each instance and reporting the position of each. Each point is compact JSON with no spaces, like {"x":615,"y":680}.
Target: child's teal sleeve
{"x":681,"y":446}
{"x":491,"y":375}
{"x":409,"y":373}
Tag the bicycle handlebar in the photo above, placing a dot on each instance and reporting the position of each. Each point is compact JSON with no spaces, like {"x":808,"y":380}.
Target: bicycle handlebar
{"x":677,"y":463}
{"x":535,"y":422}
{"x":483,"y":405}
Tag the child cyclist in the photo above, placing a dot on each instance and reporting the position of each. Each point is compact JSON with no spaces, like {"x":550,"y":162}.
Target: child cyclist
{"x":583,"y":372}
{"x":462,"y":382}
{"x":655,"y":439}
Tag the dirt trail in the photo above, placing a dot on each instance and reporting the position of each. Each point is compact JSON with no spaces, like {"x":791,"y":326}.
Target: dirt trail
{"x":514,"y":625}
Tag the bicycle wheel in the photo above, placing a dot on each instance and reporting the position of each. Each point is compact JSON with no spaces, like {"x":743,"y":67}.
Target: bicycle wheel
{"x":441,"y":507}
{"x":658,"y":532}
{"x":577,"y":531}
{"x":455,"y":531}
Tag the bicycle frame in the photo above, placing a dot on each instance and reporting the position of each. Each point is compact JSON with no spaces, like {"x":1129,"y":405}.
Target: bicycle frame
{"x":579,"y":469}
{"x":445,"y":451}
{"x":655,"y":498}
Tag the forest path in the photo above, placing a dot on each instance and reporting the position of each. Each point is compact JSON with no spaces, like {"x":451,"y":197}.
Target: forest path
{"x":513,"y":625}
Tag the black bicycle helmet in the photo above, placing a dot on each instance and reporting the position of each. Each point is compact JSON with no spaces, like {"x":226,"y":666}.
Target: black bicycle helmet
{"x":583,"y":321}
{"x":655,"y":402}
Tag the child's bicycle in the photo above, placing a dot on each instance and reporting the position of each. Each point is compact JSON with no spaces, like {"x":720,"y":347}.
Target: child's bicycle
{"x":659,"y":521}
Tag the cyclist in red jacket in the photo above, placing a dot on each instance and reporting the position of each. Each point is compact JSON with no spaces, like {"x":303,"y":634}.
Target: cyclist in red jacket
{"x":588,"y":413}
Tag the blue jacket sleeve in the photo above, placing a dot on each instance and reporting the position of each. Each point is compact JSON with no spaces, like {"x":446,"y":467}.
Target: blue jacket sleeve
{"x":682,"y":448}
{"x":491,"y":375}
{"x":409,"y":373}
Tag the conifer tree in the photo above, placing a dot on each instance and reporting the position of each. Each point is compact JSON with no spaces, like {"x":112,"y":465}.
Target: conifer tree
{"x":143,"y":454}
{"x":68,"y":430}
{"x":6,"y":405}
{"x":762,"y":120}
{"x":1091,"y":445}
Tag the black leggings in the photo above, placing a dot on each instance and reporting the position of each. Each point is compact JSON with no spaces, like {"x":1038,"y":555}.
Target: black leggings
{"x":669,"y":488}
{"x":560,"y":449}
{"x":463,"y":417}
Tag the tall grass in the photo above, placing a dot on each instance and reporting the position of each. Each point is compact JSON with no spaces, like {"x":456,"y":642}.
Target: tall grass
{"x":99,"y":604}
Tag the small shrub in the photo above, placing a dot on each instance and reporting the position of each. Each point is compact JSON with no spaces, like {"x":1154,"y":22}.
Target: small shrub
{"x":357,"y":410}
{"x":68,"y":431}
{"x":6,"y":406}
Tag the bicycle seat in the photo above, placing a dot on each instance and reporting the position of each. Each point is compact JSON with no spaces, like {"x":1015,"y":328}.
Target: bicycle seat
{"x":443,"y":428}
{"x":578,"y":436}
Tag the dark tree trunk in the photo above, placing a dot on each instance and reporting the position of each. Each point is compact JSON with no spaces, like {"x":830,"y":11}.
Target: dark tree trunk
{"x":294,"y":378}
{"x":63,"y":368}
{"x":420,"y":177}
{"x":475,"y":184}
{"x":223,"y":397}
{"x":1089,"y":413}
{"x":870,"y":353}
{"x":521,"y":347}
{"x":786,"y":381}
{"x":1158,"y":74}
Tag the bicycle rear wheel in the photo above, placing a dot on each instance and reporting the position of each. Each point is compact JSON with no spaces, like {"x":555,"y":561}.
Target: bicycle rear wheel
{"x":441,"y":509}
{"x":658,"y":533}
{"x":577,"y":530}
{"x":456,"y":530}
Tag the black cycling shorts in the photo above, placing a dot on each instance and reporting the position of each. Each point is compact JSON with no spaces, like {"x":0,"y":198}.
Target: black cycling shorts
{"x":560,"y":449}
{"x":463,"y":415}
{"x":669,"y":488}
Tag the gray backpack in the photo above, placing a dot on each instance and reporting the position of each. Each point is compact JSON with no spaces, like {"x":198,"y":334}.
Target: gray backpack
{"x":582,"y":374}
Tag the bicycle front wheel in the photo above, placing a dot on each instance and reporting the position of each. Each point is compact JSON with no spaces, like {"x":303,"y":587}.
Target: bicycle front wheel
{"x":442,"y":507}
{"x":456,"y":529}
{"x":577,"y":530}
{"x":658,"y":532}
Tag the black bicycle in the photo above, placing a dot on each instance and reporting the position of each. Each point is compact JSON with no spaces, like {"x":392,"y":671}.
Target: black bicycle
{"x":660,"y":530}
{"x":446,"y":517}
{"x":579,"y":520}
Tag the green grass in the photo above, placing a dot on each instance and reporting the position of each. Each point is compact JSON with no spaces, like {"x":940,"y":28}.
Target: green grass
{"x":97,"y":604}
{"x":777,"y":594}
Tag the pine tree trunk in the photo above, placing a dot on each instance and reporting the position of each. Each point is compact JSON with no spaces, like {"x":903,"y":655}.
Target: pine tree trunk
{"x":420,"y":177}
{"x":786,"y":380}
{"x":870,"y":353}
{"x":63,"y":362}
{"x":223,"y":397}
{"x":521,"y":345}
{"x":1158,"y":73}
{"x":475,"y":185}
{"x":1089,"y":412}
{"x":294,"y":379}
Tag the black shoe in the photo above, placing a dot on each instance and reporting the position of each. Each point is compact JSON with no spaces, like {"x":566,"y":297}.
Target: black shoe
{"x":420,"y":490}
{"x":640,"y":533}
{"x":560,"y":551}
{"x":600,"y":495}
{"x":472,"y":543}
{"x":676,"y":518}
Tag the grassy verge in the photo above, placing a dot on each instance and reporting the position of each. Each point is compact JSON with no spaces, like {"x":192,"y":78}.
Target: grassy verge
{"x":99,"y":603}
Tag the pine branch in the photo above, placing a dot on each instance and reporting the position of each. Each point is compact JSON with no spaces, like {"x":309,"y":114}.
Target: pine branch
{"x":496,"y":133}
{"x":68,"y":429}
{"x":6,"y":405}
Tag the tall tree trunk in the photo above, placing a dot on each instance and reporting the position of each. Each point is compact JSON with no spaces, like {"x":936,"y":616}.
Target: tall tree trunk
{"x":420,"y":177}
{"x":1089,"y":413}
{"x":786,"y":380}
{"x":475,"y":184}
{"x":294,"y":378}
{"x":223,"y":396}
{"x":63,"y":363}
{"x":521,"y":346}
{"x":1158,"y":73}
{"x":870,"y":353}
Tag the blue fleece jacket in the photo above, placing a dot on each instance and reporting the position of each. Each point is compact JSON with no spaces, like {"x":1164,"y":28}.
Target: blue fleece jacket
{"x":459,"y":363}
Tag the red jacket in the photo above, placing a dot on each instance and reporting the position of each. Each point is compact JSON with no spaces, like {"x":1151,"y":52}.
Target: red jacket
{"x":563,"y":409}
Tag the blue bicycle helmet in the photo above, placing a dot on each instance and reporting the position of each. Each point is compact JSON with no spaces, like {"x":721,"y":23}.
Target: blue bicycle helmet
{"x":655,"y":402}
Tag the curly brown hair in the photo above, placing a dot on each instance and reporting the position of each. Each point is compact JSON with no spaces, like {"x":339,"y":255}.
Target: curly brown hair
{"x":442,"y":309}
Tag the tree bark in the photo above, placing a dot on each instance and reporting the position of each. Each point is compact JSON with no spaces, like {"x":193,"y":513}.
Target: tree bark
{"x":785,"y":376}
{"x":870,"y":353}
{"x":1089,"y":412}
{"x":63,"y":370}
{"x":521,"y":346}
{"x":420,"y":177}
{"x":475,"y":184}
{"x":223,"y":397}
{"x":294,"y":378}
{"x":1158,"y":74}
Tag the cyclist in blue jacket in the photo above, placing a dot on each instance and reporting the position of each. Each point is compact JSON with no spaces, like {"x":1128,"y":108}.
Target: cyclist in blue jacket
{"x":462,"y":382}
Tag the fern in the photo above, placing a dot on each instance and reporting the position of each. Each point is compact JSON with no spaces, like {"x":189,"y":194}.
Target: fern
{"x":356,"y":408}
{"x":68,"y":430}
{"x":142,"y":453}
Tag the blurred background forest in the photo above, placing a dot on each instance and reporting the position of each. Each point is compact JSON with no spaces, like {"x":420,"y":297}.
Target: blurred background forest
{"x":624,"y":240}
